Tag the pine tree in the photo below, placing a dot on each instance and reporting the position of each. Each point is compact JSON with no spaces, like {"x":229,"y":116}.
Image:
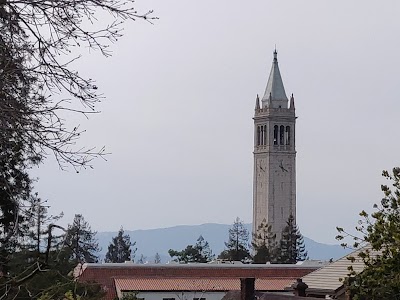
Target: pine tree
{"x":264,"y":244}
{"x":237,"y":245}
{"x":142,"y":260}
{"x":203,"y":248}
{"x":37,"y":221}
{"x":200,"y":252}
{"x":81,"y":241}
{"x":292,"y":248}
{"x":157,"y":258}
{"x":120,"y":250}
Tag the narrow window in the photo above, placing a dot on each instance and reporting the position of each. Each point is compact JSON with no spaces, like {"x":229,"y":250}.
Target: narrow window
{"x":276,"y":135}
{"x":258,"y":136}
{"x":262,"y":135}
{"x":281,"y":135}
{"x":287,"y":135}
{"x":265,"y":135}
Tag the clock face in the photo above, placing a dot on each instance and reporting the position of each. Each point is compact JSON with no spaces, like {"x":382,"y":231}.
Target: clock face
{"x":282,"y":166}
{"x":261,"y":165}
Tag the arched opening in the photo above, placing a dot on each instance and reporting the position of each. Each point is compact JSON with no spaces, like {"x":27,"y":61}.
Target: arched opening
{"x":276,"y":135}
{"x":264,"y":134}
{"x":287,"y":135}
{"x":281,"y":135}
{"x":258,"y":136}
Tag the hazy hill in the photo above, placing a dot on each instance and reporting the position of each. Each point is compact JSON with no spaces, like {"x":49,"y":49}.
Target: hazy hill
{"x":160,"y":240}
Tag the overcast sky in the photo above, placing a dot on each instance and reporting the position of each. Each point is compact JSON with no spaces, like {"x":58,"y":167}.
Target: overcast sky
{"x":180,"y":101}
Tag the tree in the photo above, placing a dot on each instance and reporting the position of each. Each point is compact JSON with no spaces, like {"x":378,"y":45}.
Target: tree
{"x":16,"y":153}
{"x":36,"y":222}
{"x":292,"y":248}
{"x":142,"y":260}
{"x":157,"y":258}
{"x":40,"y":41}
{"x":200,"y":252}
{"x":41,"y":267}
{"x":129,"y":296}
{"x":237,"y":245}
{"x":264,"y":244}
{"x":205,"y":252}
{"x":80,"y":242}
{"x":38,"y":88}
{"x":120,"y":250}
{"x":378,"y":239}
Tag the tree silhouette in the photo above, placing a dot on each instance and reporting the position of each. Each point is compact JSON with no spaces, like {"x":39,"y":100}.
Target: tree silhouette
{"x":120,"y":249}
{"x":237,"y":245}
{"x":292,"y":248}
{"x":264,"y":244}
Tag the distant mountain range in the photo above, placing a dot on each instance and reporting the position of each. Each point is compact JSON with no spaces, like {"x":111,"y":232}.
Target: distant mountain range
{"x":160,"y":240}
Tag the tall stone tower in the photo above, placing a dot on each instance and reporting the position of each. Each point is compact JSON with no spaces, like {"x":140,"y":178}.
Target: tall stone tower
{"x":274,"y":183}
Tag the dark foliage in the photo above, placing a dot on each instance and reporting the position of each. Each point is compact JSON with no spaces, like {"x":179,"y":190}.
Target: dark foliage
{"x":200,"y":252}
{"x":120,"y":249}
{"x":80,"y":242}
{"x":237,"y":245}
{"x":38,"y":88}
{"x":292,"y":247}
{"x":379,"y":241}
{"x":264,"y":244}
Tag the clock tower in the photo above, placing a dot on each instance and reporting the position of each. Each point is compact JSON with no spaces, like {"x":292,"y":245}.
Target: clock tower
{"x":274,"y":183}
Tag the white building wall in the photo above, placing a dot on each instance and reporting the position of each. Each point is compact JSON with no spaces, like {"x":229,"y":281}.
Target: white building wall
{"x":150,"y":295}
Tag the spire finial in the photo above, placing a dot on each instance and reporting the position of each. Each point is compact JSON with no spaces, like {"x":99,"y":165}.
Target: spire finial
{"x":292,"y":102}
{"x":257,"y":103}
{"x":275,"y":84}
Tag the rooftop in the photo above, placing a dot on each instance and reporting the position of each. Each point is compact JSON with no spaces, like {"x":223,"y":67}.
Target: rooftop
{"x":275,"y":88}
{"x":114,"y":277}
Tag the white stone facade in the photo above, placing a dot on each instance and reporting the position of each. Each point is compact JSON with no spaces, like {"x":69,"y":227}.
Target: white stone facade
{"x":180,"y":295}
{"x":274,"y":184}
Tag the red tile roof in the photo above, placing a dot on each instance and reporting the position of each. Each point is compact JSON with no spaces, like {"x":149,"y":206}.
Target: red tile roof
{"x":198,"y":284}
{"x":105,"y":274}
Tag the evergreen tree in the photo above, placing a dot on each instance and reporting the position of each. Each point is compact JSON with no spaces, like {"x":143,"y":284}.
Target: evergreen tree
{"x":142,"y":259}
{"x":292,"y":247}
{"x":37,"y":221}
{"x":264,"y":244}
{"x":36,"y":39}
{"x":379,"y":240}
{"x":120,"y":250}
{"x":205,"y":253}
{"x":200,"y":252}
{"x":157,"y":258}
{"x":16,"y":153}
{"x":237,"y":245}
{"x":81,"y":242}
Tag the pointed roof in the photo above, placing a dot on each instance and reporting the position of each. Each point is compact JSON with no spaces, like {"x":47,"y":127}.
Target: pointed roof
{"x":275,"y":85}
{"x":292,"y":102}
{"x":257,"y":103}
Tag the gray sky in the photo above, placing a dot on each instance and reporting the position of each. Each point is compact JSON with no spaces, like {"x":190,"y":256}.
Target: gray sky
{"x":180,"y":101}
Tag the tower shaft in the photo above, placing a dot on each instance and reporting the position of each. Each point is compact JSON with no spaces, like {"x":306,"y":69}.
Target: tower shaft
{"x":274,"y":183}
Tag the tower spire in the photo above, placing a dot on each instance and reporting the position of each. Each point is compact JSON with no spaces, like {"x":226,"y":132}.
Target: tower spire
{"x":292,"y":102}
{"x":257,"y":103}
{"x":274,"y":181}
{"x":275,"y":86}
